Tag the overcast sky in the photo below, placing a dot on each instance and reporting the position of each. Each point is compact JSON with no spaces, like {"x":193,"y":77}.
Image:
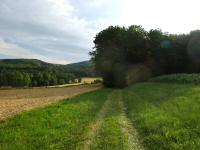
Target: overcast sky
{"x":62,"y":31}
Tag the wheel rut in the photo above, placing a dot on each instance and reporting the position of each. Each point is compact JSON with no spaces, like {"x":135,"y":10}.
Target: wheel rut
{"x":131,"y":140}
{"x":95,"y":127}
{"x":127,"y":128}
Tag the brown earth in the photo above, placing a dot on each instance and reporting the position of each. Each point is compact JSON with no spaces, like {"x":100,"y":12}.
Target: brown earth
{"x":14,"y":101}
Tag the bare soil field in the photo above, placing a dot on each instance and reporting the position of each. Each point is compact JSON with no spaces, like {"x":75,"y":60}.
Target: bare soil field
{"x":14,"y":101}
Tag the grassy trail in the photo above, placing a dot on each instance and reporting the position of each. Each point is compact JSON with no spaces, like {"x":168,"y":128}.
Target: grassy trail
{"x":127,"y":128}
{"x":115,"y":131}
{"x":94,"y":128}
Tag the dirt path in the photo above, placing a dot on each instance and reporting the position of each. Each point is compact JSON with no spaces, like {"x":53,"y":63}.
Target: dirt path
{"x":14,"y":101}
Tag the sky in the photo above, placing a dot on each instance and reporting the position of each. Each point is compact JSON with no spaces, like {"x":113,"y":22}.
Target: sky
{"x":62,"y":31}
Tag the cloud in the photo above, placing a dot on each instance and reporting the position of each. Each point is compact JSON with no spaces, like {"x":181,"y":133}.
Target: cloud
{"x":14,"y":51}
{"x":174,"y":16}
{"x":63,"y":30}
{"x":47,"y":27}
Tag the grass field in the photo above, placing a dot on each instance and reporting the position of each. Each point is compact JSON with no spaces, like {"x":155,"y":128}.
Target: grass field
{"x":152,"y":116}
{"x":165,"y":115}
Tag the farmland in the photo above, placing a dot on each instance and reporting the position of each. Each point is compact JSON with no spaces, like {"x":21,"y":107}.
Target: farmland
{"x":14,"y":101}
{"x":165,"y":117}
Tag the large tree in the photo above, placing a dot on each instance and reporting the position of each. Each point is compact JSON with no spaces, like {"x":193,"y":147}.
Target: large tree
{"x":133,"y":54}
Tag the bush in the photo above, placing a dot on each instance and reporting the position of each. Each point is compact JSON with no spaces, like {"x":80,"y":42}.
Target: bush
{"x":178,"y":78}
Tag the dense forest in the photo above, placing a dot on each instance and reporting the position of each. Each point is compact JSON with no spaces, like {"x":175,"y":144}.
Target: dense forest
{"x":31,"y":72}
{"x":127,"y":55}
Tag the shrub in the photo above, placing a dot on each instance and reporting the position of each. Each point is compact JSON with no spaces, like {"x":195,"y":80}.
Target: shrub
{"x":178,"y":78}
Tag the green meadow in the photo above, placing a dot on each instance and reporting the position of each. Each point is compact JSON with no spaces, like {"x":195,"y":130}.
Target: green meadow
{"x":151,"y":115}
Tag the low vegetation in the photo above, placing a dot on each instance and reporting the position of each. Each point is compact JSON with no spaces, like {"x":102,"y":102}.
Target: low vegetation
{"x":178,"y":78}
{"x":166,"y":116}
{"x":149,"y":115}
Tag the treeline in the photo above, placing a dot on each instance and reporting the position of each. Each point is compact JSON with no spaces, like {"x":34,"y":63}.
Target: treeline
{"x":31,"y":72}
{"x":127,"y":55}
{"x":24,"y":79}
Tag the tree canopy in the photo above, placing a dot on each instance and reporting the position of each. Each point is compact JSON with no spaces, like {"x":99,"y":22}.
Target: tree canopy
{"x":123,"y":53}
{"x":31,"y":72}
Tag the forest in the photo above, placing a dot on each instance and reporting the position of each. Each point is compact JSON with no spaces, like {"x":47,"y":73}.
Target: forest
{"x":31,"y":73}
{"x":127,"y":55}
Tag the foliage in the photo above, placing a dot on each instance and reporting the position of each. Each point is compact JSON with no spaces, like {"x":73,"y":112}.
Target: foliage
{"x":82,"y":69}
{"x":30,"y":72}
{"x":118,"y":48}
{"x":115,"y":51}
{"x":178,"y":78}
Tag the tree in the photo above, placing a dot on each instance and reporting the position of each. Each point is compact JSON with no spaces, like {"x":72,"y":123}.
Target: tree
{"x":116,"y":48}
{"x":131,"y":53}
{"x":137,"y":46}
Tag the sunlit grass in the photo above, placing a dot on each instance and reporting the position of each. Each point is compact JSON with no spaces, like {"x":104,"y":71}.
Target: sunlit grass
{"x":166,"y":115}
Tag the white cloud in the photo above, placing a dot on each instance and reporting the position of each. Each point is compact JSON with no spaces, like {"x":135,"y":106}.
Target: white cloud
{"x":176,"y":16}
{"x":14,"y":51}
{"x":64,"y":29}
{"x":47,"y":25}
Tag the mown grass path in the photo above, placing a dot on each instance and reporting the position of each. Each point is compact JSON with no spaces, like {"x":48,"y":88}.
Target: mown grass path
{"x":94,"y":128}
{"x":128,"y":129}
{"x":112,"y":130}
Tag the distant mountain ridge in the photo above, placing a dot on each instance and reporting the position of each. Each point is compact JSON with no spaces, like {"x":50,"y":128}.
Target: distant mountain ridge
{"x":84,"y":68}
{"x":40,"y":62}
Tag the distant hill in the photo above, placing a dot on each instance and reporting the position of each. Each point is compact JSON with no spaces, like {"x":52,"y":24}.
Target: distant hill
{"x":33,"y":72}
{"x":84,"y":68}
{"x":80,"y":64}
{"x":22,"y":63}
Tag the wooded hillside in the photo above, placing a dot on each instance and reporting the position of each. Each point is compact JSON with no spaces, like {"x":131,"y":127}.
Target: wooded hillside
{"x":32,"y":72}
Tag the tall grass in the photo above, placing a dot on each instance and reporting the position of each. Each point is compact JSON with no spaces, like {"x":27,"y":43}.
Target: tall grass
{"x":166,"y":115}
